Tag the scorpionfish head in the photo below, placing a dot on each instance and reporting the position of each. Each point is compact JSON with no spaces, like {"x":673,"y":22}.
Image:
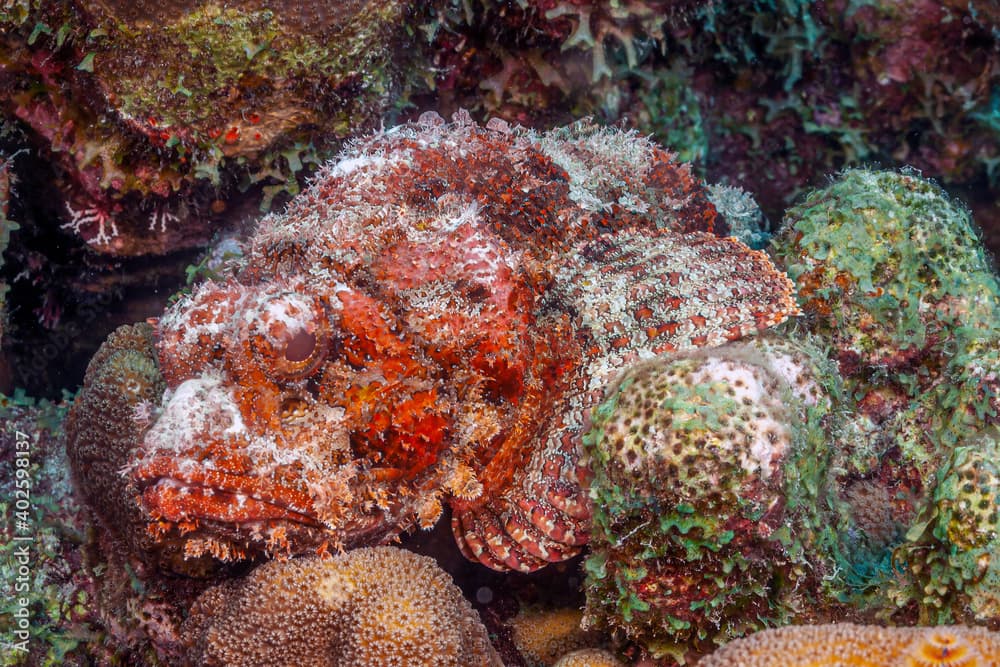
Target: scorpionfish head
{"x":304,"y":414}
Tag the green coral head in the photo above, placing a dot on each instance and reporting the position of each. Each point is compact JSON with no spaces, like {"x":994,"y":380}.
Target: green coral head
{"x":672,"y":426}
{"x":885,"y":261}
{"x":952,"y":551}
{"x":697,"y":421}
{"x":707,"y":475}
{"x":968,"y":494}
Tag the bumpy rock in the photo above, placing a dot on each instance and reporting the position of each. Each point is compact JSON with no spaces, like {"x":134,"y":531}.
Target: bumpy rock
{"x":375,"y":607}
{"x":708,"y":476}
{"x":952,"y":551}
{"x":892,"y":273}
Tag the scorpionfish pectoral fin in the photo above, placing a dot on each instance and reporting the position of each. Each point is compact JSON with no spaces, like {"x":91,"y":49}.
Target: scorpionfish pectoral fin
{"x":543,"y":517}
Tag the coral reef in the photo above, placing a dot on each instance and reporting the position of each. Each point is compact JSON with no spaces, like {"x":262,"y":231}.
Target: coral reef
{"x":370,"y":607}
{"x":588,"y":657}
{"x":543,"y":635}
{"x":802,"y":88}
{"x":811,"y":87}
{"x":427,"y":330}
{"x":838,"y":468}
{"x":849,"y":644}
{"x":156,"y":114}
{"x":535,"y":59}
{"x":347,"y":379}
{"x":952,"y":549}
{"x":892,"y":273}
{"x":708,"y":519}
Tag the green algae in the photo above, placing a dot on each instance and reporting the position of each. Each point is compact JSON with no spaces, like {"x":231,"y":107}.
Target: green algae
{"x":45,"y":608}
{"x":892,"y":273}
{"x":212,"y":50}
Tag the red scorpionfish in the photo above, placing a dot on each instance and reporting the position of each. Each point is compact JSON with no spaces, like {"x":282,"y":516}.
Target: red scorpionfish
{"x":428,"y":325}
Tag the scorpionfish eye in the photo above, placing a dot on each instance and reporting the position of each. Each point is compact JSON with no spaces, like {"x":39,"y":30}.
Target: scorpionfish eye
{"x":289,"y":334}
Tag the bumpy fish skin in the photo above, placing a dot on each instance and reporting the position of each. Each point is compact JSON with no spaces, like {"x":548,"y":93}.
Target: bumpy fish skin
{"x":430,"y":323}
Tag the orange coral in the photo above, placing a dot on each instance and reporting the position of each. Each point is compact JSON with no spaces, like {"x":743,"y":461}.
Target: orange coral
{"x":847,"y":644}
{"x":588,"y":657}
{"x":945,"y":648}
{"x":542,"y":635}
{"x":370,"y":607}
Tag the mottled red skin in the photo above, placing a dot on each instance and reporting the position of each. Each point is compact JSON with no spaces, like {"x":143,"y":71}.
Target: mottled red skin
{"x":416,"y":330}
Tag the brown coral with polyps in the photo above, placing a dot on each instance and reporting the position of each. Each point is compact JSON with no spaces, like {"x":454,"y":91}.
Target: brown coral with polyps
{"x":102,"y":428}
{"x":589,"y":657}
{"x":365,"y":608}
{"x":542,"y":635}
